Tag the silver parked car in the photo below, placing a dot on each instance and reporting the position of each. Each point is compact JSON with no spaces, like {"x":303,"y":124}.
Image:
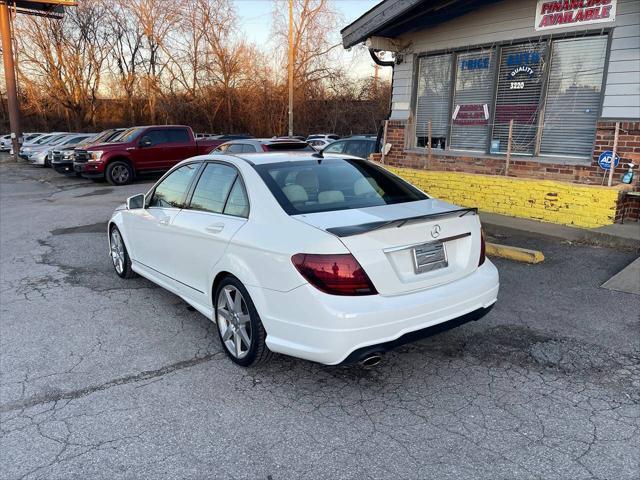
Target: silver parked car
{"x":262,"y":145}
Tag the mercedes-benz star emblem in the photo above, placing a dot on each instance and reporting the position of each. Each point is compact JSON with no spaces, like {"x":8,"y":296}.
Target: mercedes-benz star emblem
{"x":435,"y":231}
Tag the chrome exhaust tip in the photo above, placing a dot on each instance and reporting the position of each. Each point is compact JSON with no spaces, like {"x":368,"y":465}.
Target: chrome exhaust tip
{"x":371,"y":360}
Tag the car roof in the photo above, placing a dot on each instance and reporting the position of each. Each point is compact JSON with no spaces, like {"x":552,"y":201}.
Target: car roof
{"x":274,"y":157}
{"x":264,"y":140}
{"x":360,"y":137}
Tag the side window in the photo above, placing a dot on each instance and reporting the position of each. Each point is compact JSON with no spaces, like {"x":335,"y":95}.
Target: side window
{"x":178,"y":135}
{"x":156,"y":137}
{"x":335,"y":147}
{"x":370,"y":148}
{"x":213,"y":188}
{"x":221,"y":149}
{"x":171,"y":191}
{"x":237,"y":203}
{"x":235,"y":148}
{"x":361,"y":148}
{"x":353,"y":148}
{"x":248,"y":148}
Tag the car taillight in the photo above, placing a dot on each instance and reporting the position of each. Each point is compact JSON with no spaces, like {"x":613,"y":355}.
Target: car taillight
{"x":339,"y":274}
{"x":483,"y":248}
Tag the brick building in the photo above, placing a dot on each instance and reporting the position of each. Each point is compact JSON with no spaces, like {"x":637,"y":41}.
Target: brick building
{"x":508,"y":105}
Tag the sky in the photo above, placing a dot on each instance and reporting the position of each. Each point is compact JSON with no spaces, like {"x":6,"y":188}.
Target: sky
{"x":255,"y":22}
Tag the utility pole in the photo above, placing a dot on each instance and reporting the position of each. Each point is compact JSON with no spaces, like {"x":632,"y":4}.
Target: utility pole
{"x":375,"y":78}
{"x":290,"y":68}
{"x":10,"y":77}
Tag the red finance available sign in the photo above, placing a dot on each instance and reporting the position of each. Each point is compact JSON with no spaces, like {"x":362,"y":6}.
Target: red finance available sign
{"x":571,"y":13}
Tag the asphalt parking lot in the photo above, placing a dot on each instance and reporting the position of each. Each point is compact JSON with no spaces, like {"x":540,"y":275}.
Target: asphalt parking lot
{"x":111,"y":379}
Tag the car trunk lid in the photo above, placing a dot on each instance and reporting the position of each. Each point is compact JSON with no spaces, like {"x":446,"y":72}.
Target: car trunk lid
{"x":409,"y":246}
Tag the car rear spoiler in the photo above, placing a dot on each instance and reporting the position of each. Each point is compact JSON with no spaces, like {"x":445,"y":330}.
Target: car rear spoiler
{"x":350,"y":230}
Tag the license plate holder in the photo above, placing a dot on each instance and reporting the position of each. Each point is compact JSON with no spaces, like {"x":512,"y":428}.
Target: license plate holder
{"x":429,"y":257}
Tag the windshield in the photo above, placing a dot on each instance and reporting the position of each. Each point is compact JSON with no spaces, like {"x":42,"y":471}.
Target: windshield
{"x":58,"y":140}
{"x":89,"y":140}
{"x":99,"y":138}
{"x":73,"y":141}
{"x":334,"y":184}
{"x":129,"y":135}
{"x":42,"y":140}
{"x":114,"y":137}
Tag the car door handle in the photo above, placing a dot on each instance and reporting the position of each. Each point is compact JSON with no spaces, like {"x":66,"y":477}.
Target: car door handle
{"x":163,"y":222}
{"x":215,"y":228}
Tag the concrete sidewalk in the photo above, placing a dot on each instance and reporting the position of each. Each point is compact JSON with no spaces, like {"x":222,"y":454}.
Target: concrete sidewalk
{"x":615,"y":236}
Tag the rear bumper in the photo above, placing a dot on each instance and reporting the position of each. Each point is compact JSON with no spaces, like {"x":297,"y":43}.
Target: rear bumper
{"x":329,"y":329}
{"x":364,"y":352}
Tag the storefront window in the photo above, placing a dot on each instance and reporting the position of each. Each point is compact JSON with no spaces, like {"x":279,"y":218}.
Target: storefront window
{"x":551,"y":89}
{"x":472,"y":105}
{"x":573,"y":96}
{"x":433,"y":100}
{"x":520,"y":82}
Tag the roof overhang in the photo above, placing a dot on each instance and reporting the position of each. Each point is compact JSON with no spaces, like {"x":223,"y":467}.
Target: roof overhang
{"x":391,"y":18}
{"x":42,"y":8}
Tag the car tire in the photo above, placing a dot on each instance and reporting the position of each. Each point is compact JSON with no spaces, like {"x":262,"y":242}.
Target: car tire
{"x":119,"y":254}
{"x":246,"y":319}
{"x":119,"y":173}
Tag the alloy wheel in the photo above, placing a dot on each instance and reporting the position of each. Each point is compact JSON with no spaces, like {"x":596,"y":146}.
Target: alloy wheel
{"x":234,"y":321}
{"x":117,"y":251}
{"x":120,"y":174}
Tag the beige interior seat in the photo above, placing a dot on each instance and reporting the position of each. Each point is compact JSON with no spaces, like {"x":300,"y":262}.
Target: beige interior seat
{"x":295,"y":193}
{"x":331,"y":196}
{"x":309,"y":181}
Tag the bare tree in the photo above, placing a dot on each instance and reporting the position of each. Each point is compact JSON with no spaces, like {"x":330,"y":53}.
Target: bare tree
{"x":125,"y":42}
{"x":66,"y":58}
{"x":315,"y":44}
{"x":156,"y":19}
{"x":314,"y":37}
{"x":117,"y":62}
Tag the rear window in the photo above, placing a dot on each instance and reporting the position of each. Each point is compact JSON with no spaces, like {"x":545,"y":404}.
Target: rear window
{"x":334,"y":184}
{"x":178,"y":135}
{"x":297,"y":146}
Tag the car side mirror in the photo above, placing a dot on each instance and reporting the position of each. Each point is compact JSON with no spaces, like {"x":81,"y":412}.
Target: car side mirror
{"x":136,"y":201}
{"x":145,"y":142}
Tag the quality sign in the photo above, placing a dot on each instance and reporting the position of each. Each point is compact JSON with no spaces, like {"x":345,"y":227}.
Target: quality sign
{"x":604,"y":160}
{"x":574,"y":13}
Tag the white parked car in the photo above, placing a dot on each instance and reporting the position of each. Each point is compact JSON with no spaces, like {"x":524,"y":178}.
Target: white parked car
{"x":319,"y":143}
{"x":323,"y":136}
{"x":28,"y":149}
{"x":5,"y":143}
{"x":328,"y":259}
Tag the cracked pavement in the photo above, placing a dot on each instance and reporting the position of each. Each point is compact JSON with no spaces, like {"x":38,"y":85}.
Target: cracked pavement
{"x":106,"y":378}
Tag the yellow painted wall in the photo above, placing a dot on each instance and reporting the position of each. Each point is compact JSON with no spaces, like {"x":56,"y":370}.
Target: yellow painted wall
{"x":549,"y":201}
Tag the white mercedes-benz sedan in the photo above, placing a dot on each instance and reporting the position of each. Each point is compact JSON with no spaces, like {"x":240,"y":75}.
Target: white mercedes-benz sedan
{"x":328,"y":259}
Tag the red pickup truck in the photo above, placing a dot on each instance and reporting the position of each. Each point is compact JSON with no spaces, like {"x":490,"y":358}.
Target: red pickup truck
{"x":140,"y":149}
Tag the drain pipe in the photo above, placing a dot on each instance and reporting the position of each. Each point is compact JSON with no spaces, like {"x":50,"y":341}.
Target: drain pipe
{"x":383,"y":132}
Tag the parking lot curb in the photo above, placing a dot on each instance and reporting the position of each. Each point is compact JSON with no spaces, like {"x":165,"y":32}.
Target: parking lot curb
{"x":516,"y":254}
